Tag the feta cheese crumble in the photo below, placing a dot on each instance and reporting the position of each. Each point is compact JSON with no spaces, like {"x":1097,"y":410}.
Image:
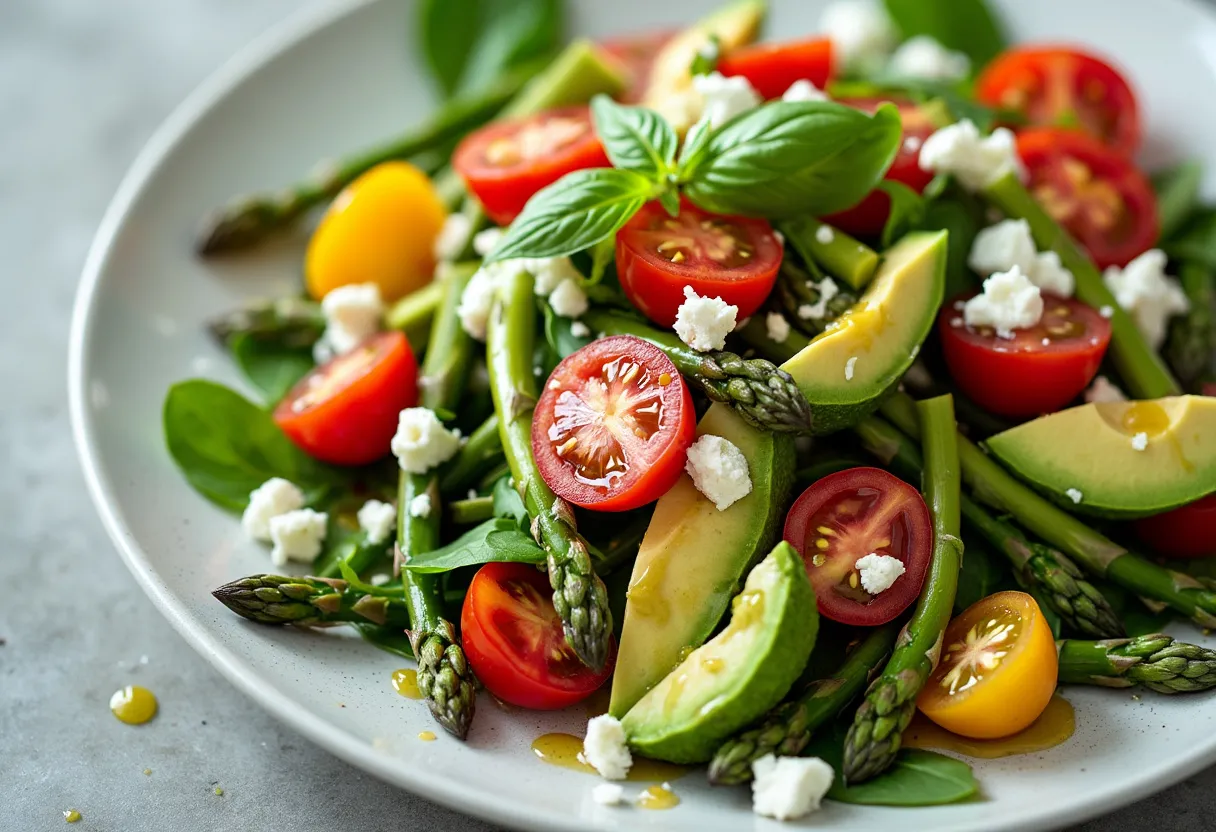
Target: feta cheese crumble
{"x":377,"y":520}
{"x":1009,"y":301}
{"x":608,"y":794}
{"x":703,"y":323}
{"x":787,"y":788}
{"x":1103,"y":391}
{"x":959,"y":150}
{"x":827,"y":290}
{"x":476,"y":302}
{"x":568,"y":300}
{"x":580,"y":330}
{"x":777,"y":326}
{"x":878,"y":572}
{"x":724,"y":98}
{"x":270,"y":499}
{"x":861,"y":32}
{"x":1000,"y":247}
{"x":297,"y":535}
{"x":352,"y":313}
{"x":923,"y":57}
{"x":804,"y":90}
{"x":554,"y":277}
{"x":485,"y":241}
{"x":1144,"y":289}
{"x":420,"y":506}
{"x":421,"y":441}
{"x":452,"y":236}
{"x":718,"y":470}
{"x":848,"y":368}
{"x":1074,"y":494}
{"x":604,"y":748}
{"x":1140,"y":441}
{"x":824,"y":234}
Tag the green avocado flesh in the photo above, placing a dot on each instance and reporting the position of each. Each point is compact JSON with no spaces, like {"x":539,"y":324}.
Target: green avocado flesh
{"x":694,"y":557}
{"x":1092,"y":449}
{"x":738,"y":675}
{"x":845,"y":371}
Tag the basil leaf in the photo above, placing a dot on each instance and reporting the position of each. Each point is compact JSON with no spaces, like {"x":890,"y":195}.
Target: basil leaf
{"x":693,"y":151}
{"x":788,"y":158}
{"x":966,"y":26}
{"x":635,"y":138}
{"x":495,"y":541}
{"x":271,"y":367}
{"x":574,"y":213}
{"x":1177,"y":196}
{"x":603,"y":254}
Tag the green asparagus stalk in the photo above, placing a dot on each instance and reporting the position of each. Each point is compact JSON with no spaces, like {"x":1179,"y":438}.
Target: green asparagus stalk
{"x":415,"y":313}
{"x":755,"y":334}
{"x":309,"y":602}
{"x":481,"y":453}
{"x":291,"y":322}
{"x":1140,"y":367}
{"x":471,"y":511}
{"x":840,"y":255}
{"x":789,"y":727}
{"x":763,"y":394}
{"x":579,"y":595}
{"x":1191,"y":345}
{"x":1157,"y":662}
{"x":877,"y":730}
{"x":803,"y":303}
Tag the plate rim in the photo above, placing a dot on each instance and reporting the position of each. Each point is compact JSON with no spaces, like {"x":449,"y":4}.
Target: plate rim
{"x":279,"y":38}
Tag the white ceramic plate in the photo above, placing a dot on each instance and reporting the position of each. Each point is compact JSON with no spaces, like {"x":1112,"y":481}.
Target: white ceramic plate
{"x":342,"y":79}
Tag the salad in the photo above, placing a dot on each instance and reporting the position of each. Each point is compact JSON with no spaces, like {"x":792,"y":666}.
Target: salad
{"x":782,"y":390}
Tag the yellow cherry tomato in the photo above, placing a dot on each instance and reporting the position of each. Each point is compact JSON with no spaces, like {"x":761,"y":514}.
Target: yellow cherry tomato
{"x":997,"y":671}
{"x":381,"y":229}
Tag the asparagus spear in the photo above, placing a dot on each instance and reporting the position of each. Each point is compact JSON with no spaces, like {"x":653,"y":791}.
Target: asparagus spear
{"x":482,"y":452}
{"x":1191,"y":345}
{"x":579,"y":595}
{"x":876,"y":733}
{"x":763,"y":394}
{"x":308,"y":602}
{"x":1157,"y":662}
{"x":471,"y":511}
{"x":837,"y":253}
{"x":803,"y":301}
{"x":787,"y":729}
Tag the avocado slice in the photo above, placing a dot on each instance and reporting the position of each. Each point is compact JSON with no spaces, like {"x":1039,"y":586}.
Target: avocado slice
{"x":1090,"y":449}
{"x":693,"y":558}
{"x":737,"y":676}
{"x":846,"y":369}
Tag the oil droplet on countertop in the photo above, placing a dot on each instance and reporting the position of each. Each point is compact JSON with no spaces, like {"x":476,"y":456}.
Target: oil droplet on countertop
{"x":133,"y":705}
{"x":219,"y":792}
{"x":405,"y":682}
{"x":71,"y":815}
{"x":566,"y":751}
{"x":426,"y":736}
{"x":1053,"y":727}
{"x":658,"y":797}
{"x":147,"y":772}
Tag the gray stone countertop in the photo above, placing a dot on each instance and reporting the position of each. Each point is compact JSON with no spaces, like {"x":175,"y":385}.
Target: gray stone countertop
{"x":82,"y":86}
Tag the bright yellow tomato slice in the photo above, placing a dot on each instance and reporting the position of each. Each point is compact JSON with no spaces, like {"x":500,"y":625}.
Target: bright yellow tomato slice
{"x":381,"y":229}
{"x":998,"y":669}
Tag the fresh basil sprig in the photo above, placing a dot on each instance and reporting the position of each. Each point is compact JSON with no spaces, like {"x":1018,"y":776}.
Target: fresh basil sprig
{"x":635,"y":138}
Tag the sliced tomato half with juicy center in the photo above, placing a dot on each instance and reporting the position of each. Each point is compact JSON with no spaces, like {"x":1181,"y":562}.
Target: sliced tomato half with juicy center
{"x":848,"y":515}
{"x":611,"y":428}
{"x":771,"y":68}
{"x":1188,"y":531}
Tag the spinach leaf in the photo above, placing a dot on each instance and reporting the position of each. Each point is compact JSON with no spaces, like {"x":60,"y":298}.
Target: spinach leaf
{"x":494,"y":541}
{"x":559,"y":335}
{"x":386,"y":638}
{"x":271,"y":367}
{"x":635,"y":138}
{"x":1177,"y":196}
{"x":226,"y":446}
{"x":508,"y":503}
{"x":967,"y":26}
{"x":907,"y":210}
{"x":1137,"y":619}
{"x":1195,"y":241}
{"x":983,"y":573}
{"x":960,"y":217}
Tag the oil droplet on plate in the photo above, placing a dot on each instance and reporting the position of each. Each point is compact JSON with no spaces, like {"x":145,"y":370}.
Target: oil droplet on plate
{"x":426,"y":736}
{"x":71,"y":815}
{"x":133,"y":705}
{"x":658,"y":797}
{"x":147,"y":772}
{"x":1053,"y":727}
{"x":566,"y":751}
{"x":405,"y":682}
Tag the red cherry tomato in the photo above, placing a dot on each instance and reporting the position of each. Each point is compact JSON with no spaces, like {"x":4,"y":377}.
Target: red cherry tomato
{"x":848,"y":515}
{"x":1039,"y":370}
{"x":514,"y":641}
{"x":1064,"y":87}
{"x":346,"y":410}
{"x":657,"y":255}
{"x":612,"y":426}
{"x":772,"y":67}
{"x":1101,"y":197}
{"x":506,"y":162}
{"x":867,"y":218}
{"x":1208,"y":389}
{"x":1186,"y":532}
{"x":635,"y":54}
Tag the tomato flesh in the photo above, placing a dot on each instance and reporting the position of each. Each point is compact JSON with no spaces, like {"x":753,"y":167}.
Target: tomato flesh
{"x":346,"y":410}
{"x":848,"y":515}
{"x":611,"y":428}
{"x":636,"y":54}
{"x":1064,"y":87}
{"x":514,"y":640}
{"x":1039,"y":370}
{"x":1098,"y":195}
{"x":657,"y":255}
{"x":506,"y":162}
{"x":772,"y":67}
{"x":1185,"y":532}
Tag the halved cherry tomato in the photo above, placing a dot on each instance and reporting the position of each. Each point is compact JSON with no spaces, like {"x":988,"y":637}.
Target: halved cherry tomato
{"x":868,"y":217}
{"x":1101,"y":197}
{"x":612,"y":426}
{"x":1054,"y":86}
{"x":657,"y":255}
{"x":1039,"y":370}
{"x":514,"y":641}
{"x":997,"y":671}
{"x":346,"y":410}
{"x":506,"y":162}
{"x":848,"y":515}
{"x":636,"y":55}
{"x":772,"y":67}
{"x":1186,"y":532}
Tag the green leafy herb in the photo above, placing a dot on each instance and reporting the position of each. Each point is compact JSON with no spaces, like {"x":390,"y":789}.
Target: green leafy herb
{"x":635,"y":138}
{"x":1195,"y":241}
{"x":693,"y":149}
{"x":386,"y":638}
{"x":907,"y":210}
{"x":1137,"y":619}
{"x":495,"y":541}
{"x":271,"y":367}
{"x":958,"y":214}
{"x":967,"y":26}
{"x":559,"y":334}
{"x":508,"y":503}
{"x":983,"y":573}
{"x":1177,"y":196}
{"x":707,"y":57}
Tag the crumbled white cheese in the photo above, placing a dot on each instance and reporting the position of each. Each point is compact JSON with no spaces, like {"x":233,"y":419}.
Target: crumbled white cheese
{"x":568,"y":300}
{"x":718,"y":470}
{"x":1074,"y":494}
{"x":1049,"y":274}
{"x":913,"y":143}
{"x":608,"y":794}
{"x":804,"y":90}
{"x":1009,"y":301}
{"x":724,"y":98}
{"x":1000,"y":247}
{"x":270,"y":499}
{"x":703,"y":322}
{"x":477,"y":301}
{"x":352,"y":313}
{"x":452,"y":237}
{"x":861,"y":32}
{"x":580,"y":330}
{"x":878,"y":572}
{"x":377,"y":520}
{"x":827,"y":290}
{"x":420,"y":506}
{"x":297,"y":535}
{"x":380,"y":578}
{"x":605,"y":749}
{"x":549,"y":272}
{"x":1107,"y":311}
{"x":959,"y":150}
{"x":923,"y":57}
{"x":848,"y":368}
{"x":421,"y":441}
{"x":1152,"y":297}
{"x":1103,"y":391}
{"x":485,"y":241}
{"x":1140,"y":441}
{"x":787,"y":788}
{"x":824,"y":234}
{"x":778,"y":327}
